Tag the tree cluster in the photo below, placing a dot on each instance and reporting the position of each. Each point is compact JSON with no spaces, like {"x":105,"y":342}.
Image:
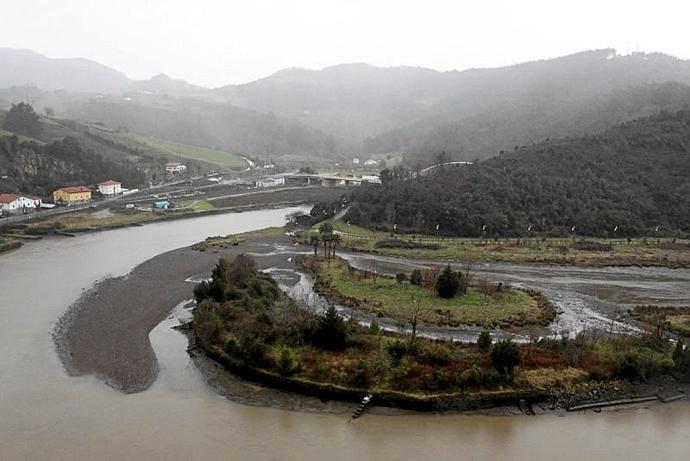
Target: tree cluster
{"x":22,"y":119}
{"x":631,"y":180}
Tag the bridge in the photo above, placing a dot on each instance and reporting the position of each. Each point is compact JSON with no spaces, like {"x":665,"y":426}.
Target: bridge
{"x":303,"y":179}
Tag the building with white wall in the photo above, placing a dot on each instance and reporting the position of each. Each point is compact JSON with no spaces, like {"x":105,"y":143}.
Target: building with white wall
{"x":110,"y":187}
{"x":12,"y":203}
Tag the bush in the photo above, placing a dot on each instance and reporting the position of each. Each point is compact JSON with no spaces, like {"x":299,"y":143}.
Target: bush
{"x":286,"y":364}
{"x":505,"y":356}
{"x":396,"y":351}
{"x":484,"y":341}
{"x":437,"y":353}
{"x":476,"y":376}
{"x":406,"y":245}
{"x":400,"y":277}
{"x":447,"y":284}
{"x":331,"y":330}
{"x":360,"y":374}
{"x":416,"y":278}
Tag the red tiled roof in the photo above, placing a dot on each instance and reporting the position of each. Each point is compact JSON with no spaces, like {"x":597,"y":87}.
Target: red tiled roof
{"x":8,"y":198}
{"x":109,"y":182}
{"x":74,"y":189}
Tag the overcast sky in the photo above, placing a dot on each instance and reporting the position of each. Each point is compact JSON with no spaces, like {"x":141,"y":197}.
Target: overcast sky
{"x":211,"y":43}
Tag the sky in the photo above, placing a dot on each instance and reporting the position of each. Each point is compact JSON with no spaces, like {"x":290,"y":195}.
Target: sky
{"x":215,"y":42}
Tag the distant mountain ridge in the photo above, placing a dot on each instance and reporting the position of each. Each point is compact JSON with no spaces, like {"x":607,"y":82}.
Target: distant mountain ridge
{"x":25,"y":67}
{"x":357,"y":109}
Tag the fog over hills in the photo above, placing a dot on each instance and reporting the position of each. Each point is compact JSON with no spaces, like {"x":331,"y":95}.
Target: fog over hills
{"x":26,"y":67}
{"x":358,"y":109}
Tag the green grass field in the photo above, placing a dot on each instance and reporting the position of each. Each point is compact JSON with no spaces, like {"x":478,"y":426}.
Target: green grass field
{"x":389,"y":298}
{"x":194,"y":205}
{"x":193,"y":152}
{"x":21,"y":137}
{"x":550,"y":251}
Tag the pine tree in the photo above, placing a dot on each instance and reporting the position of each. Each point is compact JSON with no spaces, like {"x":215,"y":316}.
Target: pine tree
{"x":447,"y":284}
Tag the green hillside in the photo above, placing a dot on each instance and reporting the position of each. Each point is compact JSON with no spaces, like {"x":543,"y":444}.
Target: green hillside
{"x":193,"y":152}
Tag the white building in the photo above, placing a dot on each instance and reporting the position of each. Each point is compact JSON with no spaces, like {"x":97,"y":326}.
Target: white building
{"x":175,"y":167}
{"x":269,"y":182}
{"x":110,"y":187}
{"x":11,"y":203}
{"x":371,"y":162}
{"x":355,"y":161}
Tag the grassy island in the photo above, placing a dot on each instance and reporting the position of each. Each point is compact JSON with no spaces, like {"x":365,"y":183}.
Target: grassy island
{"x":574,"y":251}
{"x":399,"y":298}
{"x":244,"y":321}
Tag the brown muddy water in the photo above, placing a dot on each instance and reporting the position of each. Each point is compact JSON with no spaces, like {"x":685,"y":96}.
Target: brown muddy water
{"x":46,"y":414}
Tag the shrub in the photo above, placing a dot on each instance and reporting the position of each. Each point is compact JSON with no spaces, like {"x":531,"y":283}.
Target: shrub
{"x":476,"y":376}
{"x":406,"y":245}
{"x":396,"y":350}
{"x":484,"y":341}
{"x":400,"y":277}
{"x":505,"y":356}
{"x":680,"y":355}
{"x":416,"y":278}
{"x":286,"y":364}
{"x":447,"y":284}
{"x":330,"y":331}
{"x":360,"y":374}
{"x":437,"y":353}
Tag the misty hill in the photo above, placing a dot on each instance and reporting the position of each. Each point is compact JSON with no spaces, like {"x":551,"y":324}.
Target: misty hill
{"x":346,"y":100}
{"x":25,"y":67}
{"x":219,"y":126}
{"x":473,"y":113}
{"x":356,"y":109}
{"x":635,"y":176}
{"x":487,"y":134}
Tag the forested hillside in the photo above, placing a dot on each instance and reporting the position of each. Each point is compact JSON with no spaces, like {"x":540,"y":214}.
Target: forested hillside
{"x":38,"y":169}
{"x":485,"y":135}
{"x":630,"y":180}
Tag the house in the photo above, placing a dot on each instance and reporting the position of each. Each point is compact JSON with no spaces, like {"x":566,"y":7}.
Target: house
{"x":110,"y":187}
{"x":175,"y":167}
{"x":72,"y":194}
{"x":371,"y":162}
{"x":12,"y":203}
{"x":355,"y":161}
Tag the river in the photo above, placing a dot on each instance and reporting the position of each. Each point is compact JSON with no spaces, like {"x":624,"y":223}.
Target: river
{"x":46,"y":414}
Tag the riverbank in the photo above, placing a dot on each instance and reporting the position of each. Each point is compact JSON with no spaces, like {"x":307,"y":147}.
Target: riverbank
{"x":81,"y":221}
{"x":105,"y":332}
{"x":573,"y":251}
{"x":245,"y":323}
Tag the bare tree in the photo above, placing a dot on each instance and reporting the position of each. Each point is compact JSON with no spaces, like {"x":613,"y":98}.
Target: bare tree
{"x":413,"y":320}
{"x":487,"y":289}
